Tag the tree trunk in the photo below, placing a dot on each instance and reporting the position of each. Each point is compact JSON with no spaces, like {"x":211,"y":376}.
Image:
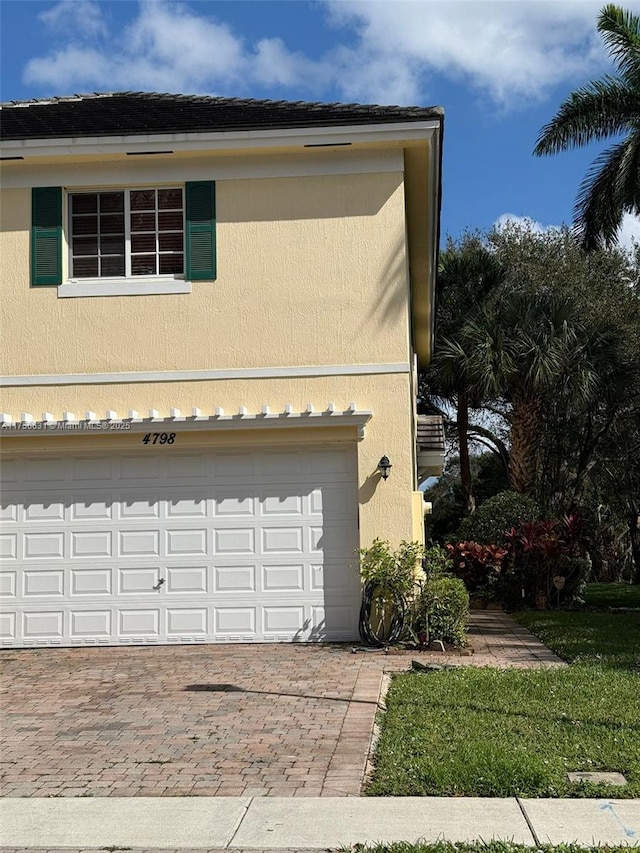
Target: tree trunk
{"x":465,"y":466}
{"x":525,"y":429}
{"x":634,"y":535}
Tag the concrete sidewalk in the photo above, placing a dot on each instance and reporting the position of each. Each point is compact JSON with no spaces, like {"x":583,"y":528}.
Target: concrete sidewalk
{"x":276,"y":823}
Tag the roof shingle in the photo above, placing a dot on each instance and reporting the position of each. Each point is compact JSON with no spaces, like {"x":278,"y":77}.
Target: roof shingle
{"x":131,"y":113}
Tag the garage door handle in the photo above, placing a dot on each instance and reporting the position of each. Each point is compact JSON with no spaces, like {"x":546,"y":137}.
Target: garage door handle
{"x":159,"y":584}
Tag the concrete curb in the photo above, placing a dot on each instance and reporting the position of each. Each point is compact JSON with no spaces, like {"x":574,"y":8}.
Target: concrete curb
{"x":278,"y":823}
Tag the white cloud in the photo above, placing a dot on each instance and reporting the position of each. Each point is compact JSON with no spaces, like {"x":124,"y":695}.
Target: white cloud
{"x":513,"y":51}
{"x":81,"y":19}
{"x":628,"y":235}
{"x":526,"y":223}
{"x":629,"y":231}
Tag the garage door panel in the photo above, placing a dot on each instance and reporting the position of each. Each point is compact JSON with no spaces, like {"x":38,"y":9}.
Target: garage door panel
{"x":235,"y":578}
{"x":42,"y":624}
{"x":234,"y":540}
{"x":139,"y":543}
{"x":332,"y":620}
{"x":91,"y":624}
{"x":324,"y":462}
{"x":272,"y":464}
{"x":139,"y":468}
{"x":91,"y":508}
{"x":282,"y":619}
{"x":280,"y":502}
{"x":138,"y":581}
{"x":171,"y":547}
{"x":234,"y":505}
{"x":186,"y":542}
{"x":45,"y":470}
{"x":282,"y":540}
{"x":92,"y":543}
{"x":12,"y":470}
{"x":187,"y":507}
{"x":235,"y":620}
{"x":135,"y":508}
{"x":8,"y":584}
{"x":8,"y":511}
{"x":44,"y":511}
{"x":92,"y":468}
{"x":8,"y":624}
{"x":335,"y":577}
{"x":8,"y":546}
{"x":38,"y":546}
{"x":283,"y":578}
{"x":184,"y":580}
{"x":43,"y":582}
{"x":139,"y":622}
{"x":332,"y":502}
{"x":234,"y":467}
{"x":187,"y":467}
{"x":90,"y":582}
{"x":190,"y":621}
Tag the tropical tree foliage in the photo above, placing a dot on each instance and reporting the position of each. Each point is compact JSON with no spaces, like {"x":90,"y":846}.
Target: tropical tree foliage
{"x":605,"y":109}
{"x":468,"y":277}
{"x":550,"y":358}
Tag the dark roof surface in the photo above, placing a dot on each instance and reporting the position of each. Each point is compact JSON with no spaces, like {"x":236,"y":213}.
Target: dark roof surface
{"x":128,"y":113}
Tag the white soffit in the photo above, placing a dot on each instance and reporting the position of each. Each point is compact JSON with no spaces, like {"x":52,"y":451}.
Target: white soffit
{"x":212,"y":141}
{"x":68,"y":422}
{"x":141,"y":170}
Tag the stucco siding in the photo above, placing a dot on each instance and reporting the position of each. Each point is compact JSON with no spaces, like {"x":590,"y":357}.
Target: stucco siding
{"x":311,"y":270}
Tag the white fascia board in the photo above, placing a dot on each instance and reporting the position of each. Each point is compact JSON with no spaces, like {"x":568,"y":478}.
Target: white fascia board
{"x":212,"y":141}
{"x":144,"y":377}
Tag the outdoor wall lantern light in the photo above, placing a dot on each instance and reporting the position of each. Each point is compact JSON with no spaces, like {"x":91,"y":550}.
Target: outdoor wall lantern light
{"x":384,"y":466}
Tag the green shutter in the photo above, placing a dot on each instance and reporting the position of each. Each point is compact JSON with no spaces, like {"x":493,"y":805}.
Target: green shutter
{"x":46,"y":235}
{"x":200,"y":245}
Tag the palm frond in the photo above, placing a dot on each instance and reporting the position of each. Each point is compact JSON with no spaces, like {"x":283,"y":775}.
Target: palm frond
{"x":598,"y":111}
{"x":620,"y":31}
{"x":609,"y":190}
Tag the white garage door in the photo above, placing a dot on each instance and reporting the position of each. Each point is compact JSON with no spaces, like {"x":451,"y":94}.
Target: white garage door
{"x":179,"y":547}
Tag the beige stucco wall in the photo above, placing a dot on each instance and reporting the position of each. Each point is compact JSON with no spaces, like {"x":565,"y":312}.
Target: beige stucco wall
{"x":311,"y":270}
{"x":386,"y":508}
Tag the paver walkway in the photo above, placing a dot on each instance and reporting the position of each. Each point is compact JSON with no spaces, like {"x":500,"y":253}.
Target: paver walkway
{"x":277,"y":720}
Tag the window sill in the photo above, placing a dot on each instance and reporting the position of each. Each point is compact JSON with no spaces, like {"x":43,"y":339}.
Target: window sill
{"x":123,"y":287}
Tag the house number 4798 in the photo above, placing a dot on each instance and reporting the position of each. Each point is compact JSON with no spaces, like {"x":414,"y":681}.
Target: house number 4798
{"x":159,"y":438}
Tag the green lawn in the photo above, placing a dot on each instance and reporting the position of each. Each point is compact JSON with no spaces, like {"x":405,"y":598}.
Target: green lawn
{"x":488,"y":732}
{"x":612,"y":595}
{"x":482,"y":847}
{"x":610,"y":640}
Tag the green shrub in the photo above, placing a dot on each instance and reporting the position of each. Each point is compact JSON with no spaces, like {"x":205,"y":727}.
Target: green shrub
{"x":437,"y":562}
{"x":443,"y":607}
{"x":392,"y":572}
{"x":496,"y":516}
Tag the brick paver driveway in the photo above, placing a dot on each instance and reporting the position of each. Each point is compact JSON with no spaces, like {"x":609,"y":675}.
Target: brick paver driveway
{"x":177,"y":721}
{"x":281,"y":720}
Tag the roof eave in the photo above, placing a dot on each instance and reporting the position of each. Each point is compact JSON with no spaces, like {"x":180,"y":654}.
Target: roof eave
{"x":221,"y":140}
{"x":424,"y":194}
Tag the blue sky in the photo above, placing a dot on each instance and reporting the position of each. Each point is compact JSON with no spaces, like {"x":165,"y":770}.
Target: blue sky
{"x":500,"y":68}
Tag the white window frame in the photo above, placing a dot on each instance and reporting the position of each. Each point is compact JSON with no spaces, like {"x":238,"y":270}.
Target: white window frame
{"x":127,"y":285}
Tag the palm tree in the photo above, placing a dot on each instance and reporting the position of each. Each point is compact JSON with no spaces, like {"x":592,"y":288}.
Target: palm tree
{"x":527,"y":349}
{"x":467,"y":276}
{"x":603,"y":109}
